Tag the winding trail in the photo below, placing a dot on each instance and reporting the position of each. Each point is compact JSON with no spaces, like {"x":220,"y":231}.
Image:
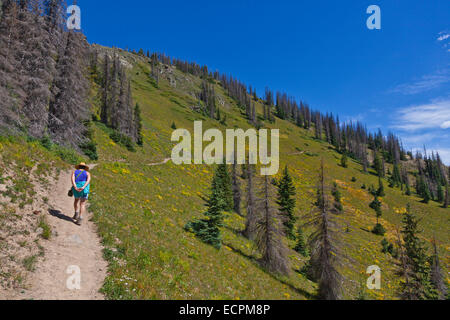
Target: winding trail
{"x":69,"y":246}
{"x":159,"y":163}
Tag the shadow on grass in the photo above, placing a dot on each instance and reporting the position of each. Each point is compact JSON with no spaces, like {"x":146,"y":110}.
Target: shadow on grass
{"x":239,"y":233}
{"x":255,"y":262}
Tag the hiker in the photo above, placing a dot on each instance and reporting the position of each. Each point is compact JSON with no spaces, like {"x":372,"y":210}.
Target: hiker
{"x":81,"y":179}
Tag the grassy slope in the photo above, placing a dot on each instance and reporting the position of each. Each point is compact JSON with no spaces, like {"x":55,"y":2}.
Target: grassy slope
{"x":141,"y":210}
{"x":25,"y":173}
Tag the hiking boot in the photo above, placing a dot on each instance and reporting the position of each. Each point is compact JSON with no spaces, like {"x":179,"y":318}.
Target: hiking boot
{"x":76,"y":216}
{"x":79,"y":221}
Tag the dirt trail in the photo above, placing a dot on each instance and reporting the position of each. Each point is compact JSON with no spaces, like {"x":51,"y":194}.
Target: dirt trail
{"x":70,"y":245}
{"x":159,"y":163}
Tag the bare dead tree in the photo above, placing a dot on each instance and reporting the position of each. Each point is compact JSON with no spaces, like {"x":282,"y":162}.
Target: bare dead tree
{"x":437,"y":277}
{"x":269,"y":234}
{"x":250,"y":225}
{"x":69,"y":108}
{"x":236,"y":187}
{"x":323,"y":243}
{"x":403,"y":269}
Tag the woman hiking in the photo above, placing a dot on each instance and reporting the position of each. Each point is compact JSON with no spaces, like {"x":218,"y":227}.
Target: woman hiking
{"x":81,"y":179}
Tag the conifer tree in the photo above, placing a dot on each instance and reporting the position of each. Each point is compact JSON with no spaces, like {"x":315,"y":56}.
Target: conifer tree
{"x":416,"y":265}
{"x":138,"y":125}
{"x":286,"y":203}
{"x":446,"y":200}
{"x":325,"y":254}
{"x":378,"y":165}
{"x":423,"y":189}
{"x":251,"y":219}
{"x":69,"y":108}
{"x":447,"y":186}
{"x":269,"y":235}
{"x":440,"y":193}
{"x":337,"y":198}
{"x":376,"y":206}
{"x":380,"y":191}
{"x":225,"y":183}
{"x":396,"y":177}
{"x":301,"y":246}
{"x":208,"y":229}
{"x":104,"y":113}
{"x":236,"y":188}
{"x":437,"y":277}
{"x":344,"y":160}
{"x":408,"y":188}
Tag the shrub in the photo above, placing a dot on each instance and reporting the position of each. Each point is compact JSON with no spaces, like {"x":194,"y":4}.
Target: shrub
{"x":46,"y":142}
{"x":67,"y":155}
{"x":46,"y":229}
{"x":29,"y":263}
{"x":123,"y":140}
{"x":89,"y":148}
{"x":379,"y":230}
{"x":354,"y":179}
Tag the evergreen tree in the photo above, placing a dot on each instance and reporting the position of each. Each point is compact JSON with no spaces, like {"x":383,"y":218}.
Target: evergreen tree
{"x":301,"y":247}
{"x":378,"y":165}
{"x":426,"y":194}
{"x":380,"y":191}
{"x":138,"y":125}
{"x":344,"y":160}
{"x":396,"y":177}
{"x":225,"y":183}
{"x":377,"y":206}
{"x":408,"y":188}
{"x":286,"y":203}
{"x":208,"y":229}
{"x":423,"y":189}
{"x":337,"y":198}
{"x":419,"y":285}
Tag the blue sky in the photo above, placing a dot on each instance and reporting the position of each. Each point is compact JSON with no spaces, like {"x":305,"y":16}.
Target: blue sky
{"x":396,"y":78}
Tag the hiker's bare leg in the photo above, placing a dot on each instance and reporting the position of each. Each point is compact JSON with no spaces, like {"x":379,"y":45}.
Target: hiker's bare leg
{"x":75,"y":204}
{"x":82,"y":207}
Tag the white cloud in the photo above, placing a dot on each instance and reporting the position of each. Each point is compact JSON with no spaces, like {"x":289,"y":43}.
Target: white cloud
{"x":419,"y":139}
{"x":443,"y":37}
{"x":434,"y":115}
{"x":426,"y":83}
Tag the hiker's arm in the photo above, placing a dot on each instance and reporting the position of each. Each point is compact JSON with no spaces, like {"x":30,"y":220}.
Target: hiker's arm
{"x":73,"y":181}
{"x":74,"y":184}
{"x":88,"y":181}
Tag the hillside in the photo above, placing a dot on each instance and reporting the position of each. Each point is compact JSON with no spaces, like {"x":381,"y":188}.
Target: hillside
{"x":143,"y":227}
{"x":123,"y":118}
